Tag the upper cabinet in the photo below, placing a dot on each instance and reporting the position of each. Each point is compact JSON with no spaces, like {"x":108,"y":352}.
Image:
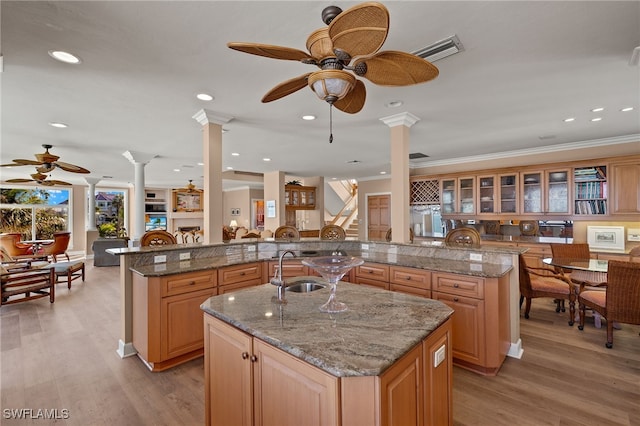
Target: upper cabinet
{"x":466,"y":189}
{"x":508,"y":201}
{"x":487,"y":194}
{"x":458,"y":195}
{"x":297,"y":197}
{"x":448,"y":195}
{"x":590,"y":190}
{"x":557,"y":191}
{"x":531,"y":189}
{"x":625,"y":186}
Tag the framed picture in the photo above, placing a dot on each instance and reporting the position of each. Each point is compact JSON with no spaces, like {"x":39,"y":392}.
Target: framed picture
{"x":606,"y":237}
{"x":187,"y":201}
{"x":271,"y":208}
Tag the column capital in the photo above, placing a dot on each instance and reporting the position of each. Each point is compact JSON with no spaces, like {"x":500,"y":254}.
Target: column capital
{"x":92,"y":180}
{"x":403,"y":119}
{"x":204,"y":116}
{"x":138,"y":157}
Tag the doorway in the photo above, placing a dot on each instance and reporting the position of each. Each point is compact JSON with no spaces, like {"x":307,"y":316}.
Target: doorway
{"x":378,"y":216}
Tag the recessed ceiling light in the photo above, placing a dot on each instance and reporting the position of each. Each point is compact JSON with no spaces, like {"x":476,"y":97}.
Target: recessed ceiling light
{"x":597,"y":109}
{"x":308,"y":117}
{"x":229,"y":168}
{"x":204,"y":97}
{"x":596,"y":119}
{"x":235,"y":154}
{"x":570,"y":119}
{"x":65,"y":57}
{"x":58,"y":125}
{"x":266,"y":159}
{"x":627,"y":109}
{"x":176,"y":170}
{"x":383,"y":173}
{"x":200,"y":164}
{"x":394,"y":104}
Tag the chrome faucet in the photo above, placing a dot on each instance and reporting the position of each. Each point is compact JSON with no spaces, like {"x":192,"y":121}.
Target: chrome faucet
{"x":277,"y":278}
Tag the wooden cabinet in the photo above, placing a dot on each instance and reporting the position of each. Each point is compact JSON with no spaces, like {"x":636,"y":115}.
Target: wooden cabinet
{"x":410,"y":280}
{"x":167,"y":317}
{"x":481,"y":320}
{"x":557,"y":191}
{"x":625,"y":188}
{"x":300,"y":197}
{"x":249,"y":382}
{"x":508,"y":201}
{"x":531,"y":187}
{"x":591,"y":190}
{"x":448,"y":197}
{"x":535,"y":253}
{"x":458,"y":195}
{"x":235,"y":277}
{"x":487,"y":195}
{"x":373,"y":274}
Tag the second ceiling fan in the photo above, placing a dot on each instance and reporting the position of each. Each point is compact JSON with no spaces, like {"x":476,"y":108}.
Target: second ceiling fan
{"x":349,"y":45}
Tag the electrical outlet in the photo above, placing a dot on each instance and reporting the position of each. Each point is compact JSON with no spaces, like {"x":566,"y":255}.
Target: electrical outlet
{"x":633,"y":234}
{"x":475,"y":257}
{"x":439,"y":355}
{"x":159,"y":259}
{"x":185,"y":256}
{"x":251,"y":248}
{"x":365,"y":247}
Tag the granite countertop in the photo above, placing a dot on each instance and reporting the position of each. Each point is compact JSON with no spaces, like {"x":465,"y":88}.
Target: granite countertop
{"x":379,"y":327}
{"x":192,"y":265}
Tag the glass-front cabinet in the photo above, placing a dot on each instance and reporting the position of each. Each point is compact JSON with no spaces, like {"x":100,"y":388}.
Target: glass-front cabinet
{"x":448,"y":195}
{"x":557,"y":191}
{"x":508,"y":193}
{"x":466,"y":188}
{"x":486,"y":194}
{"x":532,"y":185}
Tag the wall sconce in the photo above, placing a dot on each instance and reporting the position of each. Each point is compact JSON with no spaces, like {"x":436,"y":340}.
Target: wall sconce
{"x":234,"y":224}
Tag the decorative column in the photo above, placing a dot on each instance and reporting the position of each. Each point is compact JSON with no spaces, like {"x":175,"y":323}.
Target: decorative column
{"x":139,"y":160}
{"x":400,"y":125}
{"x":211,"y":123}
{"x":91,"y":219}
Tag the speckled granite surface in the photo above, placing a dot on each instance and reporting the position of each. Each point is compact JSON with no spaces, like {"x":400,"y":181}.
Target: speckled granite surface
{"x":379,"y":327}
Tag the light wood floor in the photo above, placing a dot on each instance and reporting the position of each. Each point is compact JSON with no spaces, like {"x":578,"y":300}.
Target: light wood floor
{"x":63,"y":356}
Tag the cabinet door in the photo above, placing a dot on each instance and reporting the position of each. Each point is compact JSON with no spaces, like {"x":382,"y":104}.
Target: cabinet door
{"x":626,"y":188}
{"x":468,"y":336}
{"x":466,"y":189}
{"x":448,"y":195}
{"x":290,"y":392}
{"x":557,"y":192}
{"x":438,"y":373}
{"x":590,"y":194}
{"x":181,"y":323}
{"x":249,"y":272}
{"x":486,"y":194}
{"x":228,"y":377}
{"x":508,"y":193}
{"x":290,"y":268}
{"x":531,"y":190}
{"x":402,"y":391}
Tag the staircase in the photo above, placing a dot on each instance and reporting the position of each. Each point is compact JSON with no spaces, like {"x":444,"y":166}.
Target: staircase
{"x":352,"y":230}
{"x":348,"y":215}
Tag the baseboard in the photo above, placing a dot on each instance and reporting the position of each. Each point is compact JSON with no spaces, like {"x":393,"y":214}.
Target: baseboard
{"x":515,"y":350}
{"x":125,"y":349}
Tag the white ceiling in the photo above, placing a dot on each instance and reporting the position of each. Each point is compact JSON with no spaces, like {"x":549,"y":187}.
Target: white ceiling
{"x":526,"y":66}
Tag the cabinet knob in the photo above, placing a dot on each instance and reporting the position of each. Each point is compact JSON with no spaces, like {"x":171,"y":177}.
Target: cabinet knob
{"x":192,"y":283}
{"x":254,"y":358}
{"x":242,"y":273}
{"x":245,"y":355}
{"x":455,"y":299}
{"x":456,"y":285}
{"x":408,"y":278}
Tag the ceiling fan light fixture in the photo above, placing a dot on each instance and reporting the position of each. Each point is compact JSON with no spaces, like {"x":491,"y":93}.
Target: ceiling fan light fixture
{"x":331,"y":85}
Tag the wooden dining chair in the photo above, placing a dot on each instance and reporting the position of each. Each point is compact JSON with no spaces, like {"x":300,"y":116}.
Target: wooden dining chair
{"x":157,"y":237}
{"x":332,"y":232}
{"x":634,"y":254}
{"x":464,"y":237}
{"x":545,"y":282}
{"x":620,"y":302}
{"x":286,"y":233}
{"x":578,"y":251}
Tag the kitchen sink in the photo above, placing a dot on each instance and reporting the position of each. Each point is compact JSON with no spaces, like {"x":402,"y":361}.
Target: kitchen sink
{"x":305,"y":287}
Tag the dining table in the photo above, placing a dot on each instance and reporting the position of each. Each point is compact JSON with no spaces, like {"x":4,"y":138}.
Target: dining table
{"x":591,"y":265}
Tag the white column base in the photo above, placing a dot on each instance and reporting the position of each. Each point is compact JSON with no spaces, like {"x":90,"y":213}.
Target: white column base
{"x":125,"y":349}
{"x":515,"y":349}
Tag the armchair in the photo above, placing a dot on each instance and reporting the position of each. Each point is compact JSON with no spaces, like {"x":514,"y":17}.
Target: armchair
{"x":11,"y":243}
{"x":58,"y":246}
{"x":22,"y":285}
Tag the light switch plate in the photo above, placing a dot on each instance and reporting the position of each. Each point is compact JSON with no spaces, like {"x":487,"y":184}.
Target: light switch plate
{"x":633,"y":234}
{"x":439,"y":355}
{"x":475,"y":257}
{"x":159,"y":259}
{"x":185,"y":256}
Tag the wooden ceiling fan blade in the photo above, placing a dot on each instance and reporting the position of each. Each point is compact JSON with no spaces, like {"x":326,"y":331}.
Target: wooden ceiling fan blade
{"x":271,"y":51}
{"x":286,"y":88}
{"x":71,"y":167}
{"x":19,"y":180}
{"x":360,"y":30}
{"x":55,"y":182}
{"x":354,"y":101}
{"x":392,"y":68}
{"x":23,"y":162}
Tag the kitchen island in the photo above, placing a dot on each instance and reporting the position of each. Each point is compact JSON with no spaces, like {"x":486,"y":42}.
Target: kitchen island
{"x":387,"y":360}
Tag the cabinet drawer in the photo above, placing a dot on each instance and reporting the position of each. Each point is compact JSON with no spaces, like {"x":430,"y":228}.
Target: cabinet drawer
{"x":411,"y":277}
{"x":372,"y":282}
{"x":188,"y":282}
{"x":290,"y":268}
{"x":461,"y":285}
{"x":373,"y":271}
{"x":416,"y":291}
{"x":239,"y":273}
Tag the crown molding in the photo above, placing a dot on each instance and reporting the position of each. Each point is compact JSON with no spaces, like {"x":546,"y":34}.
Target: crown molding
{"x":403,"y":119}
{"x":205,"y":116}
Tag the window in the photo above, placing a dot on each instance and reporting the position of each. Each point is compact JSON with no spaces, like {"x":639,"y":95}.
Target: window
{"x":111,"y":212}
{"x":34,"y":213}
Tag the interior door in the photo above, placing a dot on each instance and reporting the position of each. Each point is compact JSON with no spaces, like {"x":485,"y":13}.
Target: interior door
{"x":378,"y":216}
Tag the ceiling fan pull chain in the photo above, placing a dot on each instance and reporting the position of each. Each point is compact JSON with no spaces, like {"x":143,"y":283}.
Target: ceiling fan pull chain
{"x":330,"y":123}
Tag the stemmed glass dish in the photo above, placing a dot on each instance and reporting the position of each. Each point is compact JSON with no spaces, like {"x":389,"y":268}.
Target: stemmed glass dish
{"x":332,"y":269}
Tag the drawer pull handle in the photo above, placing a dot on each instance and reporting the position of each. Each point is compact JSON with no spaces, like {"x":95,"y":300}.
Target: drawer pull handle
{"x":456,"y":285}
{"x":254,"y":358}
{"x":242,"y":273}
{"x":370,"y":271}
{"x":192,"y":283}
{"x":455,"y":299}
{"x":245,"y":355}
{"x":408,"y":278}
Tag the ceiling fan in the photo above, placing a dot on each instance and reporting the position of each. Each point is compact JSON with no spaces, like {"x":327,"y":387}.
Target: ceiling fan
{"x":189,"y":188}
{"x":47,"y":162}
{"x":41,"y":179}
{"x":350,"y":42}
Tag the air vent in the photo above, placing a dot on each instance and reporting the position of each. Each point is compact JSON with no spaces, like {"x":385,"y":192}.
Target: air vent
{"x":417,"y":155}
{"x":441,"y":49}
